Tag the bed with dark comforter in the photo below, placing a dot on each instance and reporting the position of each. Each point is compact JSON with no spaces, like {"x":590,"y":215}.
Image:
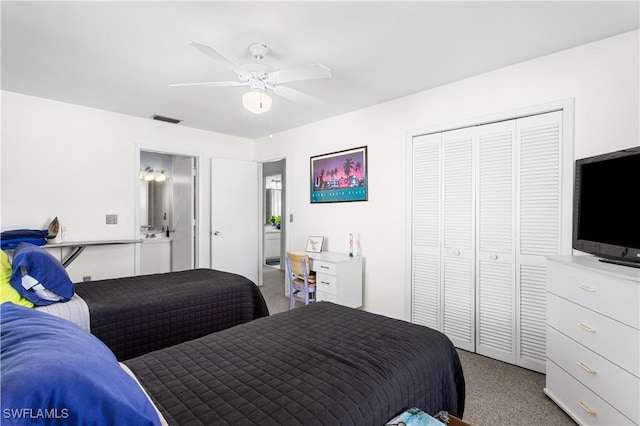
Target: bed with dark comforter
{"x":322,"y":364}
{"x":136,"y":315}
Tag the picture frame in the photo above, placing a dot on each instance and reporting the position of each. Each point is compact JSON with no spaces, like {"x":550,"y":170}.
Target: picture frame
{"x":314,"y":244}
{"x":339,"y":176}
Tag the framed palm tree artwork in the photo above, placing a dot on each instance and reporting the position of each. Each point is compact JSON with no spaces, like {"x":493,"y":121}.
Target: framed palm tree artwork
{"x":339,"y":176}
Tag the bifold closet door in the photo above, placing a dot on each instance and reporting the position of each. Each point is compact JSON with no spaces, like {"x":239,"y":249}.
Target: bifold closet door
{"x":495,"y":255}
{"x":486,"y":210}
{"x":442,"y":245}
{"x":519,"y":217}
{"x":425,"y":231}
{"x":540,"y":162}
{"x":458,"y":239}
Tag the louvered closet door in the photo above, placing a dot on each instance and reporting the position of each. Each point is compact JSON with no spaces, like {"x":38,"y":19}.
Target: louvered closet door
{"x":458,"y":242}
{"x":495,"y":256}
{"x":425,"y":231}
{"x":539,"y":234}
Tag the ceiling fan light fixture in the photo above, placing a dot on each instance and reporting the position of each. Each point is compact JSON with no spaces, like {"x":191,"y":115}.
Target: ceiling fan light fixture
{"x":256,"y":101}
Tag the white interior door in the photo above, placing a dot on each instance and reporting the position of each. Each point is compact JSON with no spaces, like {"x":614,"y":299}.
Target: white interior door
{"x":183,"y":244}
{"x":235,"y":219}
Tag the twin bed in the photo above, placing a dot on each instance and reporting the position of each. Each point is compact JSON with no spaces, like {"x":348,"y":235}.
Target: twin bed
{"x":321,"y":364}
{"x":136,"y":315}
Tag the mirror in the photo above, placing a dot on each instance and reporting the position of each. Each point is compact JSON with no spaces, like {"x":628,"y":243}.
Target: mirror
{"x":156,"y":192}
{"x":273,"y":197}
{"x":155,"y":208}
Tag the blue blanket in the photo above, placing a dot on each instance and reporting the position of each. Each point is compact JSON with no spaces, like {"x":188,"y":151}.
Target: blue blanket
{"x":55,"y":373}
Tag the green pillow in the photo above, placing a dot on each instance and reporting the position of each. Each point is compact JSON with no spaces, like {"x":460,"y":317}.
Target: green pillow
{"x":7,"y":292}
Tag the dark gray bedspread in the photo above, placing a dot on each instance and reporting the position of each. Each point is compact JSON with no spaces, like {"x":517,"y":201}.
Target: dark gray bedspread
{"x":321,"y":364}
{"x":136,"y":315}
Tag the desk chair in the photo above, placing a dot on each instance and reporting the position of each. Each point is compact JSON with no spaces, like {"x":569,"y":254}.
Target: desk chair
{"x":302,"y":282}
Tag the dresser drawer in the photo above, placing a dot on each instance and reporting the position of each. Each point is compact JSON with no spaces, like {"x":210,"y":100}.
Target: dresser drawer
{"x":321,"y":266}
{"x":326,"y":297}
{"x":613,"y":384}
{"x":612,"y":340}
{"x":597,"y":291}
{"x":327,"y":283}
{"x":578,"y":401}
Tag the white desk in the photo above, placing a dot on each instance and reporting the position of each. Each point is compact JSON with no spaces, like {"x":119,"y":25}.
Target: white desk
{"x":338,"y":278}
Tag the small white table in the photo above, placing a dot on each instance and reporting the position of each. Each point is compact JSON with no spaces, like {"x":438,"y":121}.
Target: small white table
{"x":338,"y":278}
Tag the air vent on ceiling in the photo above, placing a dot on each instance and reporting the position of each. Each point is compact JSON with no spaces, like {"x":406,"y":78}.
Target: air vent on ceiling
{"x":167,"y":119}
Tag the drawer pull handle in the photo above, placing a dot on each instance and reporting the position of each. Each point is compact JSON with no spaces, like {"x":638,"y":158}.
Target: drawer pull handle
{"x":324,"y":267}
{"x":585,"y":408}
{"x":325,"y":283}
{"x":586,"y":288}
{"x":586,"y":328}
{"x":586,"y":368}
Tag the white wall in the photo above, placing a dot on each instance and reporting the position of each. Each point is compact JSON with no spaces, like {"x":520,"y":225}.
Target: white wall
{"x":79,"y":164}
{"x":602,"y":77}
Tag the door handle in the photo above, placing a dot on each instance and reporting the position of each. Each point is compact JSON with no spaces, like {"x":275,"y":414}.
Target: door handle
{"x":216,"y":232}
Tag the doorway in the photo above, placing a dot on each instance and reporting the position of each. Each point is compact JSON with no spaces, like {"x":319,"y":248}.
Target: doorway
{"x":273,"y":213}
{"x":168,"y":206}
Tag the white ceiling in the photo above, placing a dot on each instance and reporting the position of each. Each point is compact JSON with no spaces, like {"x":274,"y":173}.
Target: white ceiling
{"x":122,"y":56}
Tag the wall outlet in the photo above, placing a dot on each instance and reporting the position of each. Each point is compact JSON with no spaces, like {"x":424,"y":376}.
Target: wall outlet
{"x":86,"y":278}
{"x":112,"y":219}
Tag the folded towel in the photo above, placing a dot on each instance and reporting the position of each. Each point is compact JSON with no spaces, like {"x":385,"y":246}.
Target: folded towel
{"x":13,"y":242}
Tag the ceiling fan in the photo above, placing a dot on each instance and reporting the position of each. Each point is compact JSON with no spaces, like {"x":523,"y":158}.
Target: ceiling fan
{"x":260,"y":76}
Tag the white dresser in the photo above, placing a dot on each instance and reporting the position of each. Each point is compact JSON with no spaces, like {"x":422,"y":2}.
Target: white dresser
{"x":593,"y":340}
{"x":338,"y":278}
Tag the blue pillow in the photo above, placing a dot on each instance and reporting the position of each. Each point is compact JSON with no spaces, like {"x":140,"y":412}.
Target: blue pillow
{"x":43,"y":267}
{"x":53,"y":372}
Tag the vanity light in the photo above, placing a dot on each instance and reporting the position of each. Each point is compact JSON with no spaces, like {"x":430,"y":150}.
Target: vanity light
{"x":149,"y":175}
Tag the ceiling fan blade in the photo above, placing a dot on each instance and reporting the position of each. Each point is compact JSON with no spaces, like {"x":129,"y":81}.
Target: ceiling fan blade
{"x":295,"y":95}
{"x":219,"y":57}
{"x":307,"y":72}
{"x":211,"y":84}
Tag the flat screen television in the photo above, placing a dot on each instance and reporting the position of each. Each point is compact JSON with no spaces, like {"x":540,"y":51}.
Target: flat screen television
{"x":606,"y":216}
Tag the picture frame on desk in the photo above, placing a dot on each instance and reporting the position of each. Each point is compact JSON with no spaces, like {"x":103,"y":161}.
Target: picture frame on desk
{"x":339,"y":176}
{"x":314,"y":244}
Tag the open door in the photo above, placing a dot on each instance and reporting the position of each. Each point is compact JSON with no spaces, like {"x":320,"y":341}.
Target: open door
{"x":183,"y":244}
{"x":235,"y":221}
